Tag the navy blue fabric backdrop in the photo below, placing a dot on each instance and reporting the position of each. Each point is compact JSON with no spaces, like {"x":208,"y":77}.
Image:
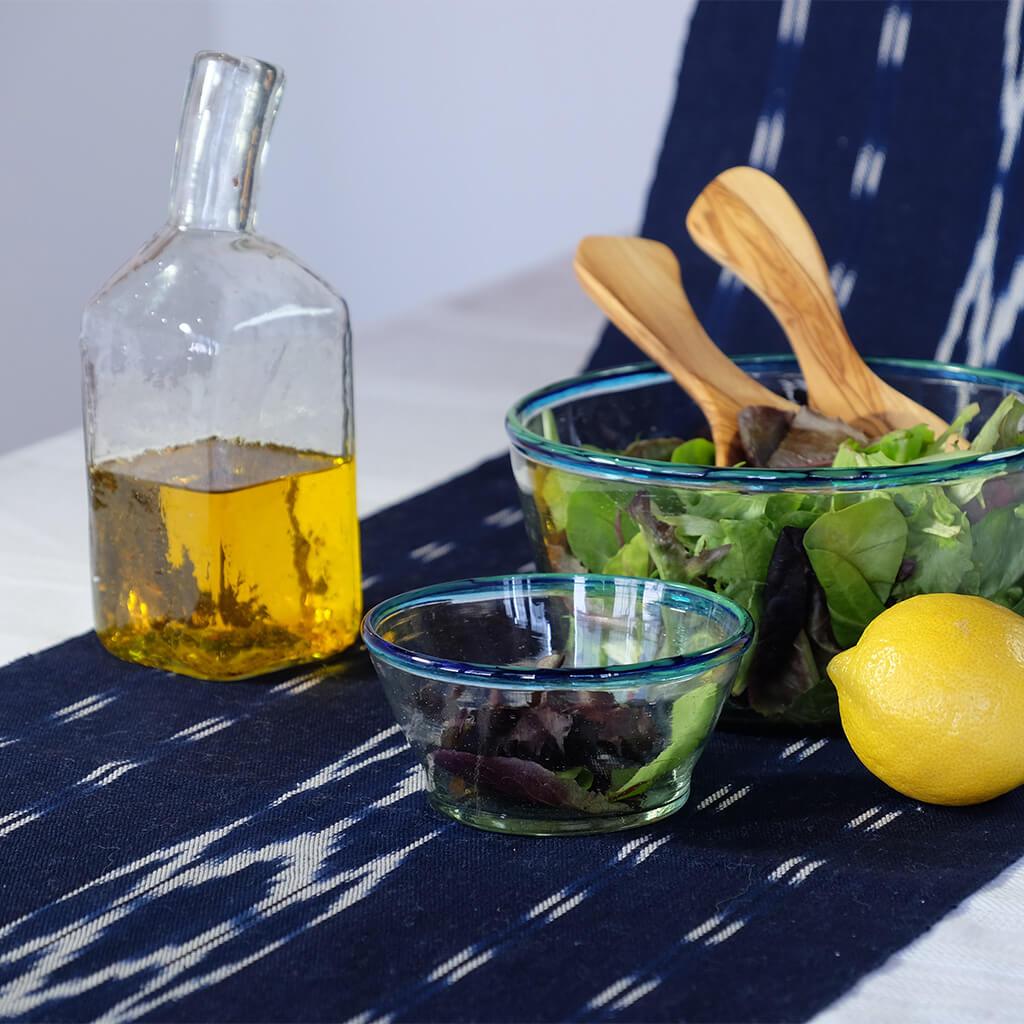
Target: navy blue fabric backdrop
{"x":897,"y":129}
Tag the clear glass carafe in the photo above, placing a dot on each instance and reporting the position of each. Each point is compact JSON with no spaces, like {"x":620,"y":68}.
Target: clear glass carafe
{"x":218,"y":419}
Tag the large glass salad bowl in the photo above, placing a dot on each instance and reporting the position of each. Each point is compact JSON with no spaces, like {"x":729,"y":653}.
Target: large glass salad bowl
{"x":812,"y":554}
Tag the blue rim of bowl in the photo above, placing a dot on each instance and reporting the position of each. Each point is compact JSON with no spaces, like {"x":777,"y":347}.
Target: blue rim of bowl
{"x":608,"y":466}
{"x":662,"y":670}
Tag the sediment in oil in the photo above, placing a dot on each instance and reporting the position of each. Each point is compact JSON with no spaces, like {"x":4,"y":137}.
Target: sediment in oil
{"x":223,"y":558}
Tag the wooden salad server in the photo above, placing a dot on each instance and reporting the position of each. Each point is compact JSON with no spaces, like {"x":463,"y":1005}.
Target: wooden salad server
{"x":746,"y":221}
{"x":637,"y":284}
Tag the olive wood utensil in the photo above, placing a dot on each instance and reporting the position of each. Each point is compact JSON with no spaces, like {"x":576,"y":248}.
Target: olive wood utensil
{"x":637,"y":284}
{"x":746,"y":221}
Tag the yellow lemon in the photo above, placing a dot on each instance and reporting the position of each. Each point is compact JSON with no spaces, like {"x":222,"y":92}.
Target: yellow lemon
{"x":932,"y":698}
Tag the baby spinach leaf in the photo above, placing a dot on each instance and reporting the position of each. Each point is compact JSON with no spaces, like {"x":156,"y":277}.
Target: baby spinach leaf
{"x":746,"y":593}
{"x":698,"y":452}
{"x":799,"y":510}
{"x":718,"y":505}
{"x":871,"y":536}
{"x":1003,"y":429}
{"x":581,"y":775}
{"x":801,"y":518}
{"x":632,"y":559}
{"x":939,"y":543}
{"x":850,"y":456}
{"x":555,"y":489}
{"x":852,"y":603}
{"x":960,"y":423}
{"x":856,"y":553}
{"x":691,"y":526}
{"x":897,"y":448}
{"x":999,"y":551}
{"x":750,"y":543}
{"x":597,"y":527}
{"x":693,"y":717}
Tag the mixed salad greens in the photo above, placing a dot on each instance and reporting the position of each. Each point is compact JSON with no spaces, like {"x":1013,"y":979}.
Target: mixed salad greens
{"x":813,"y":569}
{"x":582,"y":752}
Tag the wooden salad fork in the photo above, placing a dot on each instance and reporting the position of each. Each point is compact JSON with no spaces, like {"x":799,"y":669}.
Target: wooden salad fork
{"x":636,"y":282}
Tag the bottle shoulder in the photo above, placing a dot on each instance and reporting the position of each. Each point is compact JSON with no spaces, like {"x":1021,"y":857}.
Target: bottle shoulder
{"x":227,"y":280}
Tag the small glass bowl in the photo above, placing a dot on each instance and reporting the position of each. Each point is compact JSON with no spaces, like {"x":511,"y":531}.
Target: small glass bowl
{"x":552,"y":704}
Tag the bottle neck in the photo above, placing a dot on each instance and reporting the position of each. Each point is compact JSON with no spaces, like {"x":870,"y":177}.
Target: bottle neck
{"x":229,"y":111}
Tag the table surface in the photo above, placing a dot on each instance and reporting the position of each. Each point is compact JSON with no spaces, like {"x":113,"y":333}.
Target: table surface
{"x":453,"y":368}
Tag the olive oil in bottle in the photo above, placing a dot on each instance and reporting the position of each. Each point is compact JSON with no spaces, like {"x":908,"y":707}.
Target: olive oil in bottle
{"x":223,"y":559}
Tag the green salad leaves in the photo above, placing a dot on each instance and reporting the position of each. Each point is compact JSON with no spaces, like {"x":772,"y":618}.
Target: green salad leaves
{"x":813,"y":569}
{"x":856,"y":553}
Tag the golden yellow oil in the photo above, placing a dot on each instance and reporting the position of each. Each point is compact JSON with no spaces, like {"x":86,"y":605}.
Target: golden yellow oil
{"x":224,"y":559}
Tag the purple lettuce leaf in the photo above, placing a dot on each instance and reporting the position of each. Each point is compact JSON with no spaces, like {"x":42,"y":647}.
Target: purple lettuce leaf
{"x":762,"y":429}
{"x":537,"y":732}
{"x":523,"y":781}
{"x":587,"y":730}
{"x":626,"y":732}
{"x":812,"y":440}
{"x":794,"y":634}
{"x":668,"y":551}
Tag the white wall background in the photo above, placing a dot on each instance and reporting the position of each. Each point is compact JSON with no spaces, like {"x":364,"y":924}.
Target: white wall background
{"x":423,"y":148}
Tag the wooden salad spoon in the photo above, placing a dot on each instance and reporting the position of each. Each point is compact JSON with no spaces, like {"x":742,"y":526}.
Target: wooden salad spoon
{"x":637,"y":284}
{"x":746,"y":221}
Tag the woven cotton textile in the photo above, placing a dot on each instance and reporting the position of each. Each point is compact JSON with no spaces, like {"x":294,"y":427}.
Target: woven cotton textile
{"x":897,"y":127}
{"x":260,"y":851}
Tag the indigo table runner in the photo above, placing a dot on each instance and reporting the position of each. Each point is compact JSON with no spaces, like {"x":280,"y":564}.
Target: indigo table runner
{"x":263,"y":851}
{"x":898,"y":128}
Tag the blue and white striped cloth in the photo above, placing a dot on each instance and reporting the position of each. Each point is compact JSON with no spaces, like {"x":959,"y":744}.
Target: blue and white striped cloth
{"x":179,"y":850}
{"x":897,"y":128}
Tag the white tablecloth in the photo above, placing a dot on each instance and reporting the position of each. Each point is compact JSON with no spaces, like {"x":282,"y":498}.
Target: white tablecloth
{"x":431,"y":390}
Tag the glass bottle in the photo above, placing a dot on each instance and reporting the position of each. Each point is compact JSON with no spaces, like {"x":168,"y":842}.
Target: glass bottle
{"x":217,"y":383}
